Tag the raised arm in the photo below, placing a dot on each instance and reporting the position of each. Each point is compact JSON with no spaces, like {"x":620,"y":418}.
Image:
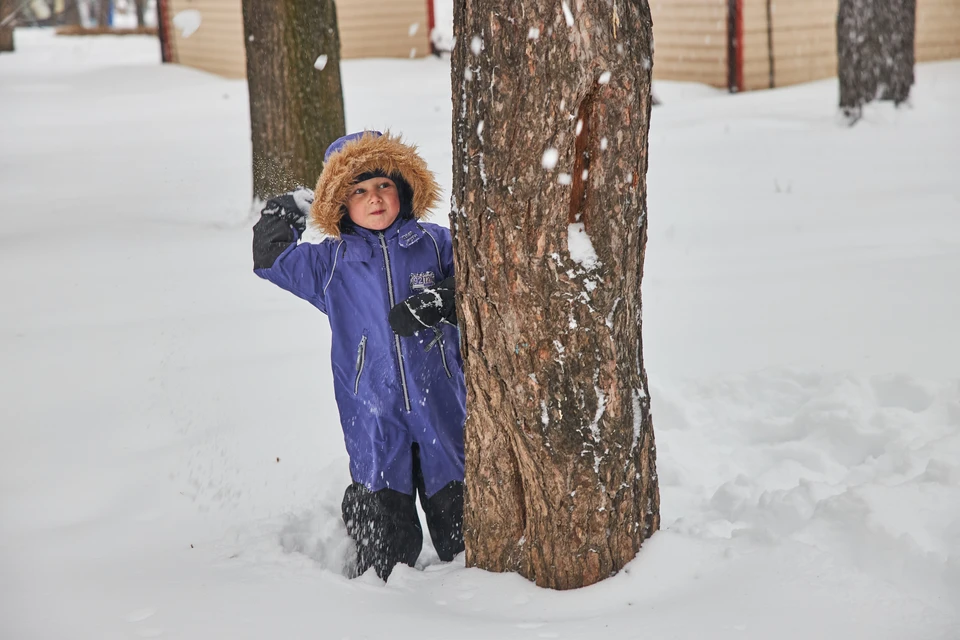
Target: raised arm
{"x":276,"y":255}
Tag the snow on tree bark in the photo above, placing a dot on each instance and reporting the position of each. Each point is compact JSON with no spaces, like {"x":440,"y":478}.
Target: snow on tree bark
{"x":296,"y":109}
{"x":551,"y":114}
{"x":875,"y":52}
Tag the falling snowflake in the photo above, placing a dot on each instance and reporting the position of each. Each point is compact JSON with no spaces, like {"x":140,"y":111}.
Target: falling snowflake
{"x":550,"y":157}
{"x":566,"y":13}
{"x":187,"y":22}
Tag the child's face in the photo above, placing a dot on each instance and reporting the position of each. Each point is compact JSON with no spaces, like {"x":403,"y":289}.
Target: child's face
{"x":374,"y":204}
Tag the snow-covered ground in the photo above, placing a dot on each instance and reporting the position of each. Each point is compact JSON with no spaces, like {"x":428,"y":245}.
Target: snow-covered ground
{"x":170,"y":460}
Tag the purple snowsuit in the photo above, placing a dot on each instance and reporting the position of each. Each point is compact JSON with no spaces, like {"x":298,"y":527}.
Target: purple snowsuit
{"x":392,"y":392}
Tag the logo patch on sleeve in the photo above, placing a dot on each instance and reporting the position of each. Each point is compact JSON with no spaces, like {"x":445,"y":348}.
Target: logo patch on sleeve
{"x":421,"y":281}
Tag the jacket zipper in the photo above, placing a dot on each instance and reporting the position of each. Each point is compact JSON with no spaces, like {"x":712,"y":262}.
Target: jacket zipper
{"x":361,"y":357}
{"x":396,"y":338}
{"x":443,"y":352}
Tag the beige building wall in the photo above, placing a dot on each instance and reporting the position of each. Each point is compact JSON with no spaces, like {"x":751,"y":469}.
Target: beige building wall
{"x":368,"y":28}
{"x":690,"y":37}
{"x":938,"y":30}
{"x":217,"y":45}
{"x":383,"y":28}
{"x":804,"y":42}
{"x":756,"y":45}
{"x":805,"y":38}
{"x":690,"y":40}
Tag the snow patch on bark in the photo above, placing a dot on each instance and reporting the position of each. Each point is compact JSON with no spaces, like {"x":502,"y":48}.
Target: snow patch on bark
{"x":636,"y":395}
{"x":613,"y":310}
{"x":580,"y":247}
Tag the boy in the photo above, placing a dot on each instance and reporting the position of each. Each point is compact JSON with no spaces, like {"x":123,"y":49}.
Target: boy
{"x":385,"y":282}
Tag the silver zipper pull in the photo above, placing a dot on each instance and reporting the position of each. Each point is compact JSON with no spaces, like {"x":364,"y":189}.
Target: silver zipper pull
{"x":438,"y":338}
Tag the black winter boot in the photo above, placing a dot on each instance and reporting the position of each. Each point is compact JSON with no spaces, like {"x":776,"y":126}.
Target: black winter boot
{"x":385,"y":526}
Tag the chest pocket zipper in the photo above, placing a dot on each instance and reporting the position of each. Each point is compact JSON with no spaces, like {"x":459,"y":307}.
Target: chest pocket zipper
{"x":361,"y":357}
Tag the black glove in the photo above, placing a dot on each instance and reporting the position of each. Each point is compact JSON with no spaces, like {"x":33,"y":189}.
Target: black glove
{"x":425,"y":310}
{"x":292,"y":207}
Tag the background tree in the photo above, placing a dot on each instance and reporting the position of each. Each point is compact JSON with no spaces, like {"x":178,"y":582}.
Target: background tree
{"x":70,"y":14}
{"x":103,"y":13}
{"x":875,"y":52}
{"x":139,"y":7}
{"x":7,"y":7}
{"x":551,"y":113}
{"x":296,"y":102}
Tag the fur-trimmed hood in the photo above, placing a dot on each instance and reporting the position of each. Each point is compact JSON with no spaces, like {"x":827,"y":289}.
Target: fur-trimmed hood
{"x":356,"y":154}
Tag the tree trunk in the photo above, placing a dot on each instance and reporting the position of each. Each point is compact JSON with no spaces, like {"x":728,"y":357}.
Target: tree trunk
{"x":6,"y":31}
{"x":296,"y":103}
{"x":139,"y":7}
{"x":70,"y":14}
{"x":103,"y":13}
{"x":875,"y":52}
{"x":551,"y":113}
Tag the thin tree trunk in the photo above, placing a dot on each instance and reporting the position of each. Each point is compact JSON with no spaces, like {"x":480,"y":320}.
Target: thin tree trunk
{"x":875,"y":52}
{"x":551,"y":114}
{"x":103,"y":13}
{"x":296,"y":102}
{"x":140,"y":6}
{"x":6,"y":31}
{"x":70,"y":14}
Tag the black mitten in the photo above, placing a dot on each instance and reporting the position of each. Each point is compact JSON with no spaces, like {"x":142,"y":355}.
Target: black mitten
{"x":292,"y":207}
{"x":426,"y":309}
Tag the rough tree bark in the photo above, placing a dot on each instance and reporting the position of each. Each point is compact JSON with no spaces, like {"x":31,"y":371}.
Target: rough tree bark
{"x":875,"y":52}
{"x":6,"y":31}
{"x":551,"y":113}
{"x":296,"y":107}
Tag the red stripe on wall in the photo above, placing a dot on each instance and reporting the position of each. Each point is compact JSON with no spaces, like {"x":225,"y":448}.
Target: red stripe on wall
{"x":431,"y":23}
{"x":739,"y":75}
{"x":163,"y":28}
